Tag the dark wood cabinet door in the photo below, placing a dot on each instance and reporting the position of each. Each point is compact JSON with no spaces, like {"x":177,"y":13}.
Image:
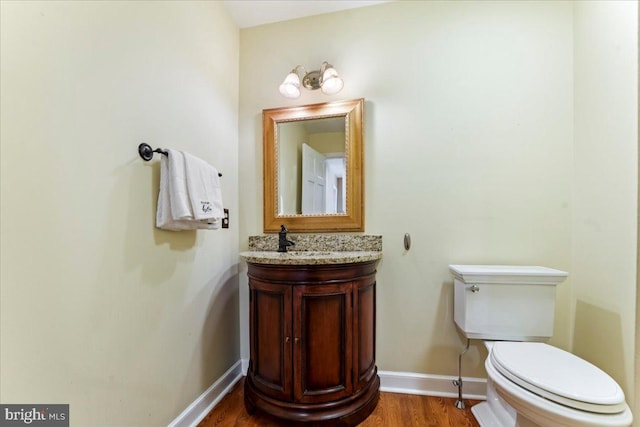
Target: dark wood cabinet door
{"x":312,"y":343}
{"x":364,"y":331}
{"x":322,"y":330}
{"x":270,"y":346}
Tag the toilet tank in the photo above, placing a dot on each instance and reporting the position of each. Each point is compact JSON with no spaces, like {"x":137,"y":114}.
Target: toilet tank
{"x":507,"y":303}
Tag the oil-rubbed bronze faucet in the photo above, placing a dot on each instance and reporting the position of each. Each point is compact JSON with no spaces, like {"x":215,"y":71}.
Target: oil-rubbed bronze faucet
{"x":282,"y":239}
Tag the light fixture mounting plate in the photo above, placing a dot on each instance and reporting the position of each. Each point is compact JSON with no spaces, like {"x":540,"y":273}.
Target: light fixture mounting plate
{"x":311,"y":80}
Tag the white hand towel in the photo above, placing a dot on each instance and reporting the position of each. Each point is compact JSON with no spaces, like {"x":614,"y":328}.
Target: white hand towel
{"x":179,"y":193}
{"x":205,"y":195}
{"x":174,"y":206}
{"x":164,"y":217}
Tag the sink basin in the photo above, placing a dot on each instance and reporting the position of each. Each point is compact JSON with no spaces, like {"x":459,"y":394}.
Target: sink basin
{"x":309,"y":257}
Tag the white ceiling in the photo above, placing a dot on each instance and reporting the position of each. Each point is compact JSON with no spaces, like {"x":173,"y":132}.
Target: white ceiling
{"x":250,"y":13}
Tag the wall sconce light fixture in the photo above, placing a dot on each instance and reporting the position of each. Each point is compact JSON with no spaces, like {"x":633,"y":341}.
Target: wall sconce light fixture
{"x":325,"y":79}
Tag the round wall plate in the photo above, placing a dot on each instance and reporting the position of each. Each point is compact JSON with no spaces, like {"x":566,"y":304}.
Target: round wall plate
{"x":311,"y":80}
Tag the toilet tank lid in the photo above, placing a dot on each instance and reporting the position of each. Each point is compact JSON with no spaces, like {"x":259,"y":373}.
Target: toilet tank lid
{"x":508,"y":274}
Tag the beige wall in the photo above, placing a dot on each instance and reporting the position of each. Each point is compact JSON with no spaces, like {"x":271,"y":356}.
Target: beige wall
{"x":126,"y":323}
{"x":604,"y":232}
{"x":469,"y":131}
{"x":491,"y":137}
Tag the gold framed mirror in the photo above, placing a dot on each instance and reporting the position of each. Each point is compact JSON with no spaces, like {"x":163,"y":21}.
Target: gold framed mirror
{"x":313,"y":167}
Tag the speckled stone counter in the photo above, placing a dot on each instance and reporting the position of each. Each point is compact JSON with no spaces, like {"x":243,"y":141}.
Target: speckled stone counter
{"x":314,"y":249}
{"x":309,"y":257}
{"x":319,"y":242}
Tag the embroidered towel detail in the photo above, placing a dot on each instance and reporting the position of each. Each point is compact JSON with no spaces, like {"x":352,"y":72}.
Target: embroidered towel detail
{"x":203,"y":186}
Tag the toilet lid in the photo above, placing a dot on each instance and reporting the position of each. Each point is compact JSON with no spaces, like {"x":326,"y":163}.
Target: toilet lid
{"x":558,"y":376}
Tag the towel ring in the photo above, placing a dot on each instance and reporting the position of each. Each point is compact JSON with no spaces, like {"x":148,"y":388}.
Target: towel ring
{"x":146,"y":152}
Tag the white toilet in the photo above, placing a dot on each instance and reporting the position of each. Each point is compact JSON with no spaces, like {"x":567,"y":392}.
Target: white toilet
{"x":530,"y":383}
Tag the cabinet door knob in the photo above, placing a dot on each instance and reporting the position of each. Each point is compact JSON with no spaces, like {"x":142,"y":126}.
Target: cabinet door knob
{"x":287,"y":339}
{"x":296,"y":340}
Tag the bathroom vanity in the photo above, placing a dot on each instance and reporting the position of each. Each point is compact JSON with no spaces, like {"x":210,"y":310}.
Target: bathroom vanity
{"x":312,"y":335}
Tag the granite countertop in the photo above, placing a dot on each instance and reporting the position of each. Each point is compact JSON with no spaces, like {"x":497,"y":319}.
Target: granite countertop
{"x":314,"y":249}
{"x":309,"y":257}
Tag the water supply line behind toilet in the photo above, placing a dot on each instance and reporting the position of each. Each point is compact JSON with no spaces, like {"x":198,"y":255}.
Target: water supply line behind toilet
{"x":458,"y":383}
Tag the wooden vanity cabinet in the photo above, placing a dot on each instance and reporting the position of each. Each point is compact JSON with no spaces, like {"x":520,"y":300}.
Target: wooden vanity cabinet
{"x":312,"y":342}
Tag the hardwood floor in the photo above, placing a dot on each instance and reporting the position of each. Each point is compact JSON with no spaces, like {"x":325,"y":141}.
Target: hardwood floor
{"x":393,"y":410}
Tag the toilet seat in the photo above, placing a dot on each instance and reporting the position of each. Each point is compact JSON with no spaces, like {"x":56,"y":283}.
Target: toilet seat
{"x":543,"y":370}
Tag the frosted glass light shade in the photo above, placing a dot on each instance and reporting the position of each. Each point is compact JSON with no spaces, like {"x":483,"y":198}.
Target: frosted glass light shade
{"x":331,"y":81}
{"x":290,"y":87}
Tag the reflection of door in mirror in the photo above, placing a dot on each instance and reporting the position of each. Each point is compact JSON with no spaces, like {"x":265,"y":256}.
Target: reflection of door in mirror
{"x":313,"y":181}
{"x":336,"y":183}
{"x":311,"y":166}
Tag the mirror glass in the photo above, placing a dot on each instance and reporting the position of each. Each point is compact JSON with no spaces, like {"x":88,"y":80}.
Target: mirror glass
{"x":313,"y":169}
{"x":311,"y":166}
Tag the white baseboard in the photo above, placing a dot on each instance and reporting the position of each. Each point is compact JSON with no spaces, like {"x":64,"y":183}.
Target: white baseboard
{"x":432,"y":385}
{"x":393,"y":382}
{"x":200,"y":407}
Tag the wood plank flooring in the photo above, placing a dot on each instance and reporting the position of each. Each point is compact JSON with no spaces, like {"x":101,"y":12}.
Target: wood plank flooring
{"x":393,"y":410}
